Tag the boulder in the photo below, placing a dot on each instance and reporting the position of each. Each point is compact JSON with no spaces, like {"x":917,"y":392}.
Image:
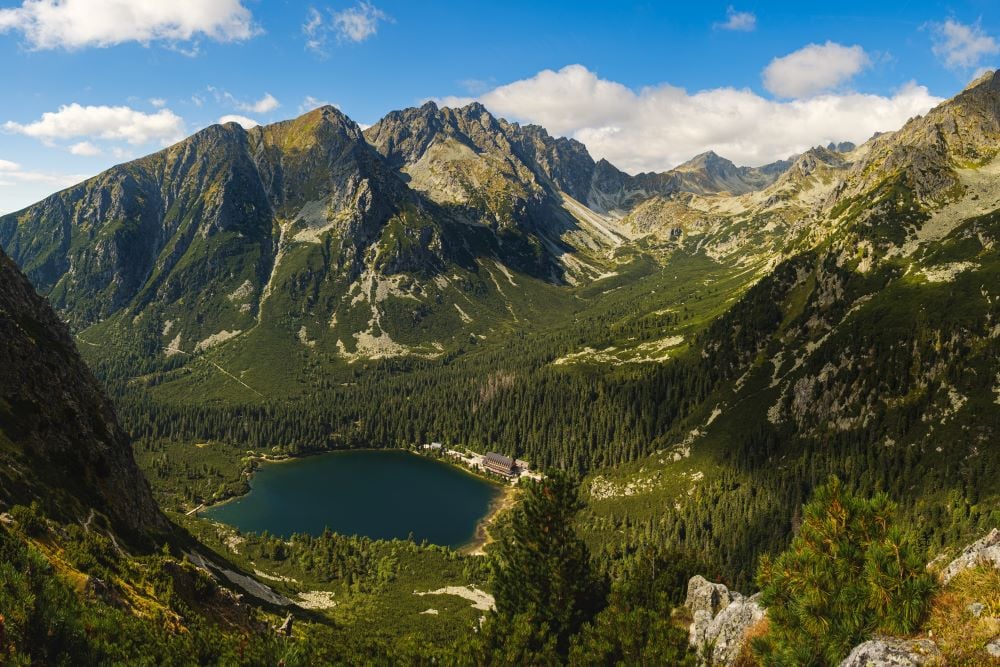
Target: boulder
{"x":703,"y":595}
{"x":993,"y":648}
{"x":728,"y":629}
{"x":890,"y":652}
{"x":986,"y":550}
{"x":720,"y":619}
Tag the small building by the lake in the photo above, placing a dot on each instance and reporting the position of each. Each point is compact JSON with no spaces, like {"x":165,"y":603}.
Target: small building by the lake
{"x":500,"y":464}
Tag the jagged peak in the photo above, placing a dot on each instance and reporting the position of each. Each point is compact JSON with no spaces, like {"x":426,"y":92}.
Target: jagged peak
{"x":989,"y":77}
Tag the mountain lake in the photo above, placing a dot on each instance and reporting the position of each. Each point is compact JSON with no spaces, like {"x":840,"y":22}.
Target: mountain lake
{"x":382,"y":494}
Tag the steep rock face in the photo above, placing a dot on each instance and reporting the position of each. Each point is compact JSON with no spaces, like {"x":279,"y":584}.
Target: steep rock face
{"x":201,"y":220}
{"x":60,"y":441}
{"x":925,"y":152}
{"x":460,"y":157}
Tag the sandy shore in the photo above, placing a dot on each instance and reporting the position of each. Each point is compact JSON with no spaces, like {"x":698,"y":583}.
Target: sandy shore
{"x":503,"y":502}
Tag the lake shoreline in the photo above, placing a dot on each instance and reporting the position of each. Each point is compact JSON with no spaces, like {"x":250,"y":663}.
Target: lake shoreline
{"x":474,"y":546}
{"x":483,"y":537}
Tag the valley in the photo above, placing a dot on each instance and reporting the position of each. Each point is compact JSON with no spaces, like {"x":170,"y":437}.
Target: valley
{"x":702,"y":351}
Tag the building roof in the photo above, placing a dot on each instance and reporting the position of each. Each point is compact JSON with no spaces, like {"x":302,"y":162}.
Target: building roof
{"x":499,"y":460}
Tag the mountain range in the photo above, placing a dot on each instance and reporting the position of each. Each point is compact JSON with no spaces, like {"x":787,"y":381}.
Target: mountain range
{"x":265,"y":264}
{"x":704,"y":346}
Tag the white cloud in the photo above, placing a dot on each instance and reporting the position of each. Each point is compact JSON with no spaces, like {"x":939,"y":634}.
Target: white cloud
{"x":7,"y":165}
{"x":358,"y":23}
{"x":75,"y":24}
{"x":740,"y":21}
{"x":962,"y":46}
{"x":309,"y":103}
{"x":263,"y":105}
{"x":814,"y":69}
{"x":247,"y":123}
{"x":158,"y":102}
{"x":103,"y":122}
{"x":85,"y":148}
{"x":354,"y":24}
{"x":658,"y":127}
{"x":314,"y":32}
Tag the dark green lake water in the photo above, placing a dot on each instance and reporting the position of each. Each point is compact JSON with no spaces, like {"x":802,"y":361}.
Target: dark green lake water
{"x":381,"y":494}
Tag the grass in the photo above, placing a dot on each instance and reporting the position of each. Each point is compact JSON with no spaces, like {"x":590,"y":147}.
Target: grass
{"x":961,"y":636}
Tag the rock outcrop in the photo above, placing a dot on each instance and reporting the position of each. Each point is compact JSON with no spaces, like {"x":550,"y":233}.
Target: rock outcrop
{"x":986,"y":550}
{"x":891,"y":652}
{"x":721,"y":619}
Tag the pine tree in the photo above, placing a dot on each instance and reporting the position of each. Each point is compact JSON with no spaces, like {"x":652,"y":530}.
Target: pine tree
{"x":847,"y":574}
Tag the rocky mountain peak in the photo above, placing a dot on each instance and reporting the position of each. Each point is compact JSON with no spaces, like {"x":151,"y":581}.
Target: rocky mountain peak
{"x":959,"y":133}
{"x":709,"y":161}
{"x":987,"y":78}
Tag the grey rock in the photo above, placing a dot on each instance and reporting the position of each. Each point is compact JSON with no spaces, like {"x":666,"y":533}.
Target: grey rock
{"x":696,"y":633}
{"x":727,"y":630}
{"x":889,"y":652}
{"x":703,"y":595}
{"x":976,"y":609}
{"x":986,"y":550}
{"x":720,"y":618}
{"x":993,"y":648}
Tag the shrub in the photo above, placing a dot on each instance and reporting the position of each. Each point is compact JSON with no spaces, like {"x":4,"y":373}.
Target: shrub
{"x":847,"y":574}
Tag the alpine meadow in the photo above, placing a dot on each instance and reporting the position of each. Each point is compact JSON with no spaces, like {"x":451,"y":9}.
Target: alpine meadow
{"x":450,"y":387}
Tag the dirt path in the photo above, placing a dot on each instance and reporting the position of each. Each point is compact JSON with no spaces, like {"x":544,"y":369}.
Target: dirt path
{"x":177,"y":350}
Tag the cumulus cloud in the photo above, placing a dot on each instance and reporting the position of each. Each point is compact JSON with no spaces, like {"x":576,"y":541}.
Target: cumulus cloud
{"x":660,"y":126}
{"x":247,"y":123}
{"x":76,"y":24}
{"x":102,"y":122}
{"x":263,"y":105}
{"x":739,"y":21}
{"x":85,"y":148}
{"x":814,"y":69}
{"x":962,"y":46}
{"x":354,"y":24}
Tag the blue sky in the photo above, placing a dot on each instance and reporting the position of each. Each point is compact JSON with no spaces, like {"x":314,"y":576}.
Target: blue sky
{"x":645,"y":84}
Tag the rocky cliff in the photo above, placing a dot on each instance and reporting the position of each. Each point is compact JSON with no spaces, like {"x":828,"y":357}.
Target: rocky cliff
{"x":60,"y":441}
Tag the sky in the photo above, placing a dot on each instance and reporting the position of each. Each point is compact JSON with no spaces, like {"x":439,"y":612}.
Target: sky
{"x":92,"y":83}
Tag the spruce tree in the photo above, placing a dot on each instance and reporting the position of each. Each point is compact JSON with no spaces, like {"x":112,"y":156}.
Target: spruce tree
{"x":542,"y":569}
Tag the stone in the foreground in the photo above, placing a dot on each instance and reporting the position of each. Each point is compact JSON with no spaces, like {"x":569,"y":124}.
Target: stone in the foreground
{"x":890,"y":652}
{"x":725,"y":630}
{"x":986,"y":550}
